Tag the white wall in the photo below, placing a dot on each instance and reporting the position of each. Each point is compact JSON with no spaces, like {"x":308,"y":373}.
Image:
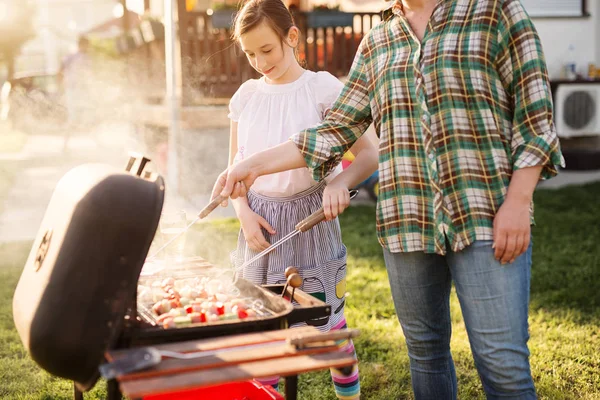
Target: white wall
{"x":597,"y":33}
{"x":558,"y":34}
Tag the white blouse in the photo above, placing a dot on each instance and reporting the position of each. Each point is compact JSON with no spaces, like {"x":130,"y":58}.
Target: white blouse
{"x":268,"y":115}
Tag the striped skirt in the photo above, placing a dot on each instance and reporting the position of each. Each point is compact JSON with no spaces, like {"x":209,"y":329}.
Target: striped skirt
{"x":318,"y":253}
{"x":320,"y":257}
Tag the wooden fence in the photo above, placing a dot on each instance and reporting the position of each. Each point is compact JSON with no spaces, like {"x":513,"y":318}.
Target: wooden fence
{"x":214,"y":66}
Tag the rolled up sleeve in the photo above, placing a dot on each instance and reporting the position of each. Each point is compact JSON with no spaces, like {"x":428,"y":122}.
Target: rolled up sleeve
{"x":324,"y":145}
{"x":534,"y":140}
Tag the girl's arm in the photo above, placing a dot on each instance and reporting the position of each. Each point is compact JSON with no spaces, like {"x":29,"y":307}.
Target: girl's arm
{"x":250,"y":222}
{"x":365,"y":162}
{"x":233,"y":147}
{"x":336,"y":196}
{"x":241,"y":203}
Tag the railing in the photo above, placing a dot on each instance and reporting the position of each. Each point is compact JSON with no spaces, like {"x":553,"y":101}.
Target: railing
{"x":214,"y":66}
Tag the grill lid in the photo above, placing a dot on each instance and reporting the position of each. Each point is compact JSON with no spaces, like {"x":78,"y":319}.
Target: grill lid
{"x":83,"y":268}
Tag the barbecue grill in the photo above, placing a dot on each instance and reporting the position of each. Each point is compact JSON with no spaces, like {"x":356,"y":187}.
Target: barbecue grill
{"x":77,"y":295}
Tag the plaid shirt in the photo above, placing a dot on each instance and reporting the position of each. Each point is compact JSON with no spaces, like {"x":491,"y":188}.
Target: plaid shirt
{"x":456,"y":114}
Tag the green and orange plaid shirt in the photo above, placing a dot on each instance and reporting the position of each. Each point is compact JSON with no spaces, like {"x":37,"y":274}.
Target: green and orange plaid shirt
{"x":456,"y":114}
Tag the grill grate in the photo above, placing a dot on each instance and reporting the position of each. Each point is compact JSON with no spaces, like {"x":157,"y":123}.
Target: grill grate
{"x":146,"y":314}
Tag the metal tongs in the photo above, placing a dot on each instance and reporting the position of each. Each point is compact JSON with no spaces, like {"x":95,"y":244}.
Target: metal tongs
{"x":302,"y":226}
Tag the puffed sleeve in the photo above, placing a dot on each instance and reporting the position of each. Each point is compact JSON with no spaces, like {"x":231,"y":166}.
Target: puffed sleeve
{"x":235,"y":106}
{"x":240,"y":99}
{"x":327,"y":89}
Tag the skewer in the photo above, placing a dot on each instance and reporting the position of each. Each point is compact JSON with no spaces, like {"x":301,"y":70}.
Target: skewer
{"x":269,"y":249}
{"x":205,"y":211}
{"x":174,"y":238}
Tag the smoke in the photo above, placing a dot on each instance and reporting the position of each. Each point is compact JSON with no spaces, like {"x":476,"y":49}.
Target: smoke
{"x":104,"y":108}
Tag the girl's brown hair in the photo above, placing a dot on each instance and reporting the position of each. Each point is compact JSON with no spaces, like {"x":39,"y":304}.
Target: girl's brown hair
{"x":254,"y":12}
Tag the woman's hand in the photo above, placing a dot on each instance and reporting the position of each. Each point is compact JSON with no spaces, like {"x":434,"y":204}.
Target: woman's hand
{"x":512,"y":230}
{"x":279,"y":158}
{"x":251,"y":224}
{"x":234,"y":182}
{"x":336,"y":198}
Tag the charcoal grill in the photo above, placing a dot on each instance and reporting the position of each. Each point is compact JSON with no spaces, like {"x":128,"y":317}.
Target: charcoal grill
{"x":77,"y":295}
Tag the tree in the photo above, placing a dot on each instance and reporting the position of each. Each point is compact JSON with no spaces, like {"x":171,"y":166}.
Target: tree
{"x":16,"y":28}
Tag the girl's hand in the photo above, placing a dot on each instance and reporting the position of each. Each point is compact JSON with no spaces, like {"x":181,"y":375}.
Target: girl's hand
{"x":251,"y":224}
{"x":512,"y":230}
{"x":336,"y":198}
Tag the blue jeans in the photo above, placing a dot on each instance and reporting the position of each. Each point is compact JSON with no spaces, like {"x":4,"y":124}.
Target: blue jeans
{"x":494,"y":300}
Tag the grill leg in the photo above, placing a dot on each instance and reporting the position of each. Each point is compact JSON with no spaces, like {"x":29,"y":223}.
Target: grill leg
{"x":291,"y":387}
{"x":112,"y":390}
{"x":77,"y":394}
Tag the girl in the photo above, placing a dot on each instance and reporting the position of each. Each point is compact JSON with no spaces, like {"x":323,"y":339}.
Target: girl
{"x":265,"y":112}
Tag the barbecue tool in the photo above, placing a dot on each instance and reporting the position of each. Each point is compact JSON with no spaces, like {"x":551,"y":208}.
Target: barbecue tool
{"x":302,"y":226}
{"x":147,"y":357}
{"x":289,"y":271}
{"x":294,"y":280}
{"x":205,"y":211}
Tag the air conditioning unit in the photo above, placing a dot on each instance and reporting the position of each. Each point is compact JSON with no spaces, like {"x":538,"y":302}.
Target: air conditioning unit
{"x":577,"y":109}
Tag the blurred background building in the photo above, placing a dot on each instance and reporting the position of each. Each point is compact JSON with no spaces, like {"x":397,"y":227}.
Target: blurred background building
{"x":570,"y":29}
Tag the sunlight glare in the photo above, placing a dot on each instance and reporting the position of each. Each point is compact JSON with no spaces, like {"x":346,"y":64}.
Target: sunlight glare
{"x":118,"y":10}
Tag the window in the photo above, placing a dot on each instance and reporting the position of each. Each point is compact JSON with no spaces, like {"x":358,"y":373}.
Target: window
{"x":555,"y":8}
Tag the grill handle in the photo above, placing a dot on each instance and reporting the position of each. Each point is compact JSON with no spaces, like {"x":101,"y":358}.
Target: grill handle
{"x":317,"y":217}
{"x":305,"y":340}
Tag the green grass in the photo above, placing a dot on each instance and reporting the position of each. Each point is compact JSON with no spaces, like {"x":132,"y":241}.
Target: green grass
{"x":7,"y":176}
{"x":565,"y":315}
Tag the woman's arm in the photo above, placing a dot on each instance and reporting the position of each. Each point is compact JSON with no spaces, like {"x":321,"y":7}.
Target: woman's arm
{"x":535,"y":149}
{"x":336,"y":197}
{"x":235,"y":181}
{"x":512,"y":227}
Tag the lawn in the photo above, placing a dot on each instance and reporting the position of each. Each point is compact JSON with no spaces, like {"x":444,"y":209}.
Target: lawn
{"x":11,"y":141}
{"x":565,"y":313}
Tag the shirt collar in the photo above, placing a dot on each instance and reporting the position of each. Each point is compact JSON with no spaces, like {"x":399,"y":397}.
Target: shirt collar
{"x":397,"y":8}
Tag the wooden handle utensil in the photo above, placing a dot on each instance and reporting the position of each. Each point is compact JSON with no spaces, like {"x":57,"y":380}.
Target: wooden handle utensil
{"x":317,"y":217}
{"x":302,"y":341}
{"x":211,"y":206}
